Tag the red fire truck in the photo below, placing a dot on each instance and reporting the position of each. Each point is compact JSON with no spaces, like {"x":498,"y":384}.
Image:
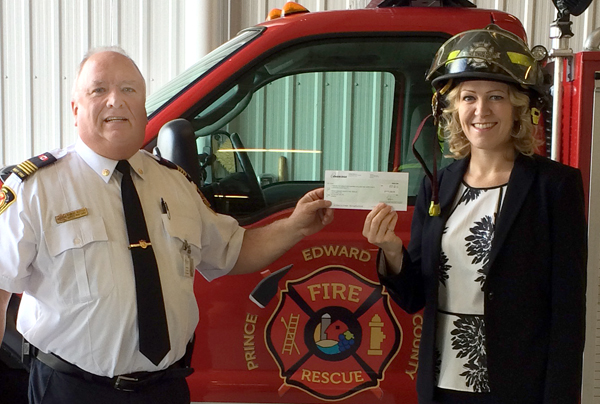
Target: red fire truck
{"x":256,"y":123}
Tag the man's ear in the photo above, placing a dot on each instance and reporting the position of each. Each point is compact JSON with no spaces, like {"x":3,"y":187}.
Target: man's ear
{"x":74,"y":109}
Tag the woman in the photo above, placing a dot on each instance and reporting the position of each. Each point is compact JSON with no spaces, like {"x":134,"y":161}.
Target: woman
{"x":500,"y":272}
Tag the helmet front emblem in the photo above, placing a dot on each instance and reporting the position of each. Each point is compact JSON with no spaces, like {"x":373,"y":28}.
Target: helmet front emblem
{"x":480,"y":54}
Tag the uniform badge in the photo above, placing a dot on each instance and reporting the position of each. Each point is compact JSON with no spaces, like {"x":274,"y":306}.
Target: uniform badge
{"x":7,"y":198}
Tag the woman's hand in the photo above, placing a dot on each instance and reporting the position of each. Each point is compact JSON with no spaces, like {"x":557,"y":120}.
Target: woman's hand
{"x":379,"y":230}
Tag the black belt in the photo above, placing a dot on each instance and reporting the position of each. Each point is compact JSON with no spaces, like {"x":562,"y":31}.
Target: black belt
{"x":129,"y":382}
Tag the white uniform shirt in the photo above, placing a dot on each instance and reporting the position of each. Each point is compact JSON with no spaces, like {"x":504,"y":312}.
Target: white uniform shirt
{"x":77,"y":278}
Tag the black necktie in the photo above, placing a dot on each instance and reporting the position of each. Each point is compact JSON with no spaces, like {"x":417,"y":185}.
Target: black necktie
{"x":152,"y":319}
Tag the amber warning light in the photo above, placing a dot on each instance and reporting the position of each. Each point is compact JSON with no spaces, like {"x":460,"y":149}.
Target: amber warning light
{"x":290,"y":8}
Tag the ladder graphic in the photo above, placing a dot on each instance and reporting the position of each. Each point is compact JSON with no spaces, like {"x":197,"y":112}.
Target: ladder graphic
{"x":290,"y":335}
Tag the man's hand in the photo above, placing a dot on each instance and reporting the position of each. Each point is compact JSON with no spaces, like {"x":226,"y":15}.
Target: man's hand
{"x":311,"y":214}
{"x":263,"y":245}
{"x":379,"y":230}
{"x":4,"y":299}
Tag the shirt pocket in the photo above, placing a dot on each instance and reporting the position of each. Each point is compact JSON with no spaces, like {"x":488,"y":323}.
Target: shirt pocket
{"x":81,"y":266}
{"x":182,"y":230}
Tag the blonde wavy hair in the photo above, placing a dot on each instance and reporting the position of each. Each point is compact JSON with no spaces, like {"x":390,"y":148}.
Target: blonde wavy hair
{"x":523,"y":134}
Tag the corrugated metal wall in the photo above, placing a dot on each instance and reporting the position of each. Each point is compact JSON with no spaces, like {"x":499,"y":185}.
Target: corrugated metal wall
{"x":42,"y":41}
{"x":537,"y":15}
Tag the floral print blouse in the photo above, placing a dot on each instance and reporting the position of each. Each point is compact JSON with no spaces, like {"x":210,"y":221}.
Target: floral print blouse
{"x":460,"y":340}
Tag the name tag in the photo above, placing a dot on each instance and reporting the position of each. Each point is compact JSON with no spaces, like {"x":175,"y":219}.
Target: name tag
{"x":76,"y":214}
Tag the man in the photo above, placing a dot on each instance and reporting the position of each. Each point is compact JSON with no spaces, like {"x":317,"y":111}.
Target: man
{"x":67,"y":246}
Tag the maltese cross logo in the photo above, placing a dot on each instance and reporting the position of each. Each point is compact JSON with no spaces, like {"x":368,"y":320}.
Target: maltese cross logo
{"x":333,"y":334}
{"x":481,"y":55}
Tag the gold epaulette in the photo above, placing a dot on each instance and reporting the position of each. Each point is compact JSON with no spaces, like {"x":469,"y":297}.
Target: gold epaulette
{"x":28,"y":167}
{"x":174,"y":166}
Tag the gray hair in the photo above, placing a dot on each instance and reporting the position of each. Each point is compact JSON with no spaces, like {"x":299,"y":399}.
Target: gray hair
{"x":100,"y":49}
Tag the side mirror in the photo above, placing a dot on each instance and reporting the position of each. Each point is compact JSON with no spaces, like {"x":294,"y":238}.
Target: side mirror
{"x":177,"y":143}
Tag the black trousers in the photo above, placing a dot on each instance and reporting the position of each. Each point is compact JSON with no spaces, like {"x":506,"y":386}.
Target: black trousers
{"x":443,"y":396}
{"x":47,"y":386}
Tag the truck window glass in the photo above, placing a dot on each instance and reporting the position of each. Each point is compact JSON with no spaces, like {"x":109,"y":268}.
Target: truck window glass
{"x":195,"y":72}
{"x":351,"y":104}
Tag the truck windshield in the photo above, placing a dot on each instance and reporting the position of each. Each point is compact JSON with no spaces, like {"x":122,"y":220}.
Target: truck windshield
{"x":164,"y":94}
{"x":350,"y":103}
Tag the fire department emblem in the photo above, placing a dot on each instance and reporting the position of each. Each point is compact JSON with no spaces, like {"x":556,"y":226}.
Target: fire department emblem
{"x":481,"y":54}
{"x":333,"y":333}
{"x":7,"y":197}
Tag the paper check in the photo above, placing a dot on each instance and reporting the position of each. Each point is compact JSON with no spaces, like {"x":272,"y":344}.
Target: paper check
{"x":365,"y":189}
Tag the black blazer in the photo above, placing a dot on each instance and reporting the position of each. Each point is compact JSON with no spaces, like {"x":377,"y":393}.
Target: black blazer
{"x":534,"y":306}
